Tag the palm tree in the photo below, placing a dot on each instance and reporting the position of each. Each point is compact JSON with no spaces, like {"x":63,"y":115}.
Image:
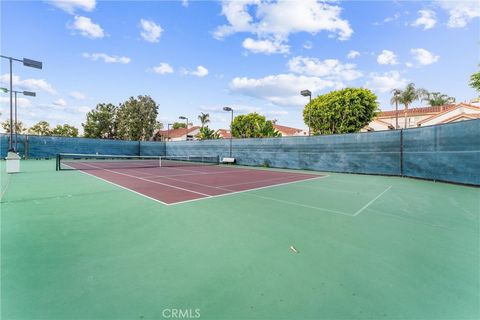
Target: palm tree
{"x":204,"y":119}
{"x":438,"y":99}
{"x":408,"y":95}
{"x":395,"y":100}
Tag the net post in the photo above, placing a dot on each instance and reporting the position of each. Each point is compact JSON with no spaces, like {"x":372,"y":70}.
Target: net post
{"x":57,"y":162}
{"x":160,"y":161}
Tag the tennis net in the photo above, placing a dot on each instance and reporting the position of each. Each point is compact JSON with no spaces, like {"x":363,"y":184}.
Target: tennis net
{"x":71,"y":161}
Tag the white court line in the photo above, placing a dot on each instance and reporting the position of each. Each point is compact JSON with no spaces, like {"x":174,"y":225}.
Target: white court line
{"x":117,"y":185}
{"x":259,"y":188}
{"x":371,"y":201}
{"x":264,"y":180}
{"x":190,"y":174}
{"x":301,"y":205}
{"x":156,"y":182}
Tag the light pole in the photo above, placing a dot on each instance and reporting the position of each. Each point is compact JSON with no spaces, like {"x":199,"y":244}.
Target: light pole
{"x":28,"y":63}
{"x":186,"y":128}
{"x":307,"y":93}
{"x":25,"y":93}
{"x":168,"y":131}
{"x":231,"y":123}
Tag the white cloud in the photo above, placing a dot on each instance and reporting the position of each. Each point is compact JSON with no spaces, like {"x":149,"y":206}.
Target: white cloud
{"x":21,"y":102}
{"x":387,"y":57}
{"x":277,"y":20}
{"x":281,"y":89}
{"x":28,"y":84}
{"x":70,"y":6}
{"x":308,"y":45}
{"x":460,"y":12}
{"x":265,"y":46}
{"x":87,"y":28}
{"x":423,"y":57}
{"x":388,"y":19}
{"x":409,"y":64}
{"x":185,"y":3}
{"x":200,"y":72}
{"x":329,"y":69}
{"x":60,"y":102}
{"x":352,"y":54}
{"x":427,"y":19}
{"x":151,"y":31}
{"x":77,"y":95}
{"x":106,"y":58}
{"x":163,"y":68}
{"x":384,"y":82}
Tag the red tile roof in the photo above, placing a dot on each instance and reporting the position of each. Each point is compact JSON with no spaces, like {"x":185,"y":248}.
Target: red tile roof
{"x":177,"y":133}
{"x":287,"y":130}
{"x":224,"y":133}
{"x":417,"y":111}
{"x":469,"y":106}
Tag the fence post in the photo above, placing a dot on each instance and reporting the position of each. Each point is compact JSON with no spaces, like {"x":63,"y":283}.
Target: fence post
{"x":401,"y":152}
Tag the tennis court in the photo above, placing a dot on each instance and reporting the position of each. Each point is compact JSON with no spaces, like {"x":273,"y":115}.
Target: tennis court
{"x":85,"y":244}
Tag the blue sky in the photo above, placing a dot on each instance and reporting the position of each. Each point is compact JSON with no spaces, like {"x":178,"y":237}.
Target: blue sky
{"x":199,"y":56}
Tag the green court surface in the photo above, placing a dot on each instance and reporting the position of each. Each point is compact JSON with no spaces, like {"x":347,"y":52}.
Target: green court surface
{"x":369,"y":247}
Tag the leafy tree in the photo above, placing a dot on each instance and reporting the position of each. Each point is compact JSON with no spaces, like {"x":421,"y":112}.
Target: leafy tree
{"x":65,"y":131}
{"x":19,"y":127}
{"x":408,"y":95}
{"x":343,"y":111}
{"x":42,"y":128}
{"x":137,"y":118}
{"x":475,"y":81}
{"x":204,"y":119}
{"x":395,"y":100}
{"x":253,"y":125}
{"x":437,"y":99}
{"x":101,"y":122}
{"x":207,"y":134}
{"x":178,"y":125}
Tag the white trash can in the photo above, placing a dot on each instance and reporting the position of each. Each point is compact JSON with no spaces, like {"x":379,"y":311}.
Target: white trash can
{"x":13,"y":162}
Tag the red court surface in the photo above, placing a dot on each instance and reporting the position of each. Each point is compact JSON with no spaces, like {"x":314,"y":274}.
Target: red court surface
{"x":173,"y":185}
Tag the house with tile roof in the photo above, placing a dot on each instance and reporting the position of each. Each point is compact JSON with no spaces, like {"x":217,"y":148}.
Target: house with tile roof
{"x":283,"y":130}
{"x":224,"y":133}
{"x":289,"y":131}
{"x":179,"y":134}
{"x":424,"y":116}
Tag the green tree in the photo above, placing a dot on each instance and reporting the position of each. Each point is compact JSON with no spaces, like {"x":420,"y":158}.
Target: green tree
{"x":137,"y":118}
{"x":437,"y":99}
{"x":253,"y":125}
{"x":207,"y":134}
{"x":342,"y":111}
{"x":101,"y":122}
{"x":178,"y":125}
{"x":408,"y":95}
{"x":65,"y":131}
{"x":204,"y":119}
{"x":42,"y":128}
{"x":20,"y":127}
{"x":475,"y":81}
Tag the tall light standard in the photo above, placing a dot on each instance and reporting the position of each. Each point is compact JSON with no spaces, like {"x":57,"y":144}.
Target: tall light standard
{"x":231,"y":123}
{"x":28,"y":63}
{"x":186,"y":133}
{"x":168,"y":131}
{"x":25,"y":93}
{"x":307,"y":93}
